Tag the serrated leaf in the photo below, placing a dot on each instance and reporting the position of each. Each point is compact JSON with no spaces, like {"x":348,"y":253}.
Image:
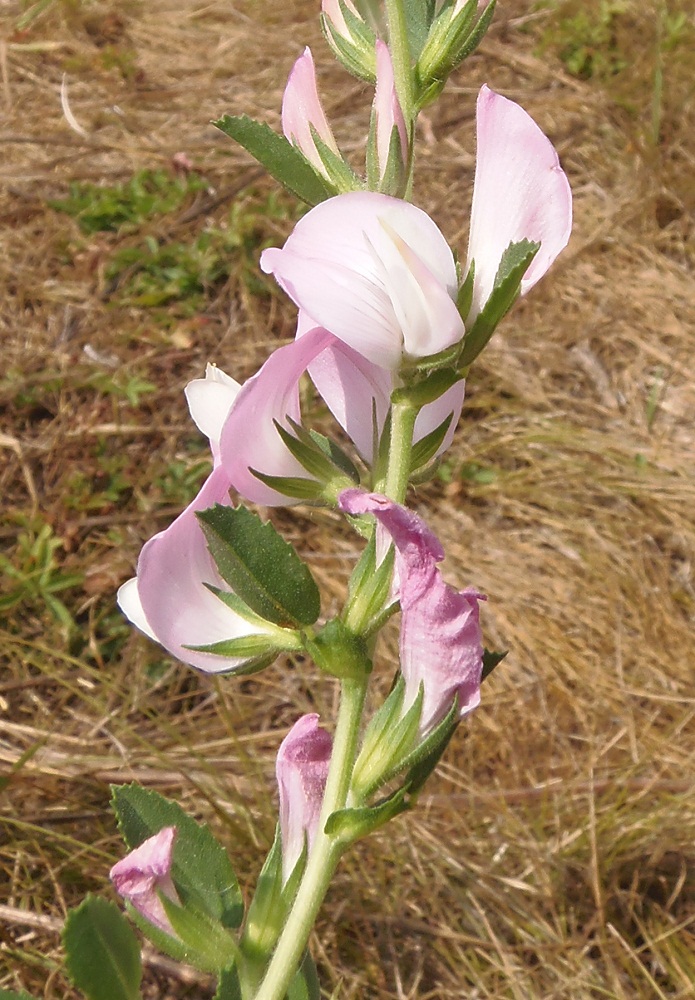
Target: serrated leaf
{"x":201,"y":870}
{"x":515,"y":262}
{"x":279,"y":157}
{"x":260,"y":566}
{"x":102,"y":952}
{"x":490,"y":661}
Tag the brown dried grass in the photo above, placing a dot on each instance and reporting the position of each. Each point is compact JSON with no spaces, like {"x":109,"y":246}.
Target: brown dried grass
{"x":553,"y":854}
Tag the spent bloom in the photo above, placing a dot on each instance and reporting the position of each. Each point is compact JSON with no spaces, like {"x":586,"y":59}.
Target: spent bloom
{"x":301,"y":770}
{"x":146,"y":872}
{"x":440,"y":642}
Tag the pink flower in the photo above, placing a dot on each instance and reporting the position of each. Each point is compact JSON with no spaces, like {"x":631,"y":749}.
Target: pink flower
{"x":521,"y":193}
{"x":387,"y":110}
{"x":376,"y":272}
{"x":168,"y":599}
{"x":302,"y":110}
{"x":301,"y":770}
{"x":440,"y":642}
{"x":146,"y":872}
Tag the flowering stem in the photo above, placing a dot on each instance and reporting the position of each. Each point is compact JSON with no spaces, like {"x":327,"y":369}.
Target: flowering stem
{"x":403,"y":417}
{"x":400,"y":57}
{"x":325,"y":852}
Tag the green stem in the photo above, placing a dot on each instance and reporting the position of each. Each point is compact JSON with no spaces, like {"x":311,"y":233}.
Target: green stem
{"x":325,"y":853}
{"x":401,"y":59}
{"x":403,"y":417}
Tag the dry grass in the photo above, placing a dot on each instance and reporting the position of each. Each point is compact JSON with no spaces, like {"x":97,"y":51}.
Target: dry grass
{"x":553,"y":855}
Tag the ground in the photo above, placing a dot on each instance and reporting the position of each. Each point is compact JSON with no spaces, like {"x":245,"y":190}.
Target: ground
{"x":552,"y":855}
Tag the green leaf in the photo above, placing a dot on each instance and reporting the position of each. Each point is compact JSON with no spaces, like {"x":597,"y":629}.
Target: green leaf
{"x":490,"y":661}
{"x":201,"y":870}
{"x":228,"y":987}
{"x":279,"y":157}
{"x":260,"y":566}
{"x":305,"y":985}
{"x":295,"y":487}
{"x":103,"y":953}
{"x":515,"y":262}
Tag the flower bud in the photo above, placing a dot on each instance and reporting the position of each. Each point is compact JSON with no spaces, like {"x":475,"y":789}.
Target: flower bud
{"x":301,"y":770}
{"x":302,"y":112}
{"x":144,"y":873}
{"x":350,"y":36}
{"x":388,"y":147}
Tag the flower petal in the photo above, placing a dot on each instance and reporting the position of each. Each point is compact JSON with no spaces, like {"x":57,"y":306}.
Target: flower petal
{"x":169,"y":596}
{"x":209,"y":400}
{"x":450,"y":403}
{"x":301,"y":770}
{"x":521,"y":192}
{"x":375,"y":271}
{"x":355,"y":390}
{"x":440,"y":643}
{"x":249,"y":437}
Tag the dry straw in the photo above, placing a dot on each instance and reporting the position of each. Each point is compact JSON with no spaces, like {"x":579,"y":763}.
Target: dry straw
{"x":554,"y":856}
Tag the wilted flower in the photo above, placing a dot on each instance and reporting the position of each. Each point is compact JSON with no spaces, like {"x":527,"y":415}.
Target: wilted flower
{"x":440,"y":641}
{"x":301,"y":770}
{"x":146,"y":872}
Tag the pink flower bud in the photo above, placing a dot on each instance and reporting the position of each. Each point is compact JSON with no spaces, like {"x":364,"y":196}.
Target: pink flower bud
{"x":331,"y":10}
{"x":301,"y":109}
{"x":387,"y":110}
{"x":301,"y":770}
{"x":144,"y":873}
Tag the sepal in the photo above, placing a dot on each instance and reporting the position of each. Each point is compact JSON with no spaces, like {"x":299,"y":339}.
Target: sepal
{"x":340,"y":174}
{"x":270,"y":904}
{"x":388,"y":741}
{"x":352,"y":42}
{"x":515,"y":262}
{"x":279,"y":157}
{"x":367,"y":606}
{"x":453,"y":37}
{"x":338,"y":651}
{"x":490,"y":661}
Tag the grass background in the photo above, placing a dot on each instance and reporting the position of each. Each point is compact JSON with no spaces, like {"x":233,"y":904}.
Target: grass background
{"x":552,"y":856}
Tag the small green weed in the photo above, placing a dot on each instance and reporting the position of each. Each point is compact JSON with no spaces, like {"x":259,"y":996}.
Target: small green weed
{"x":154,"y":274}
{"x":584,"y":37}
{"x":35,"y":574}
{"x":124,"y":207}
